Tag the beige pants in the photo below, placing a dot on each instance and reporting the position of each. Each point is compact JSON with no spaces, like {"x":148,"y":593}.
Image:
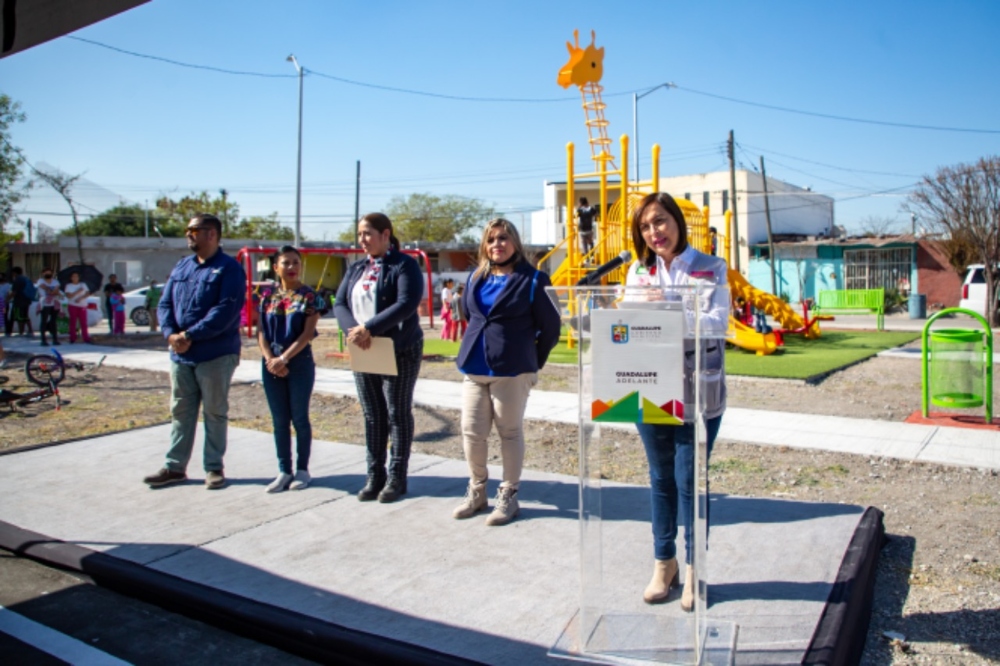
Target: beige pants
{"x":500,"y":400}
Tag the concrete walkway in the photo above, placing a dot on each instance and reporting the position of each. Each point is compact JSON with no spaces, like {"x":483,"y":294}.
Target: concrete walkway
{"x":922,"y":443}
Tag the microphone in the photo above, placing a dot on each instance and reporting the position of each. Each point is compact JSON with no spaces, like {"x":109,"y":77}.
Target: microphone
{"x":602,"y":270}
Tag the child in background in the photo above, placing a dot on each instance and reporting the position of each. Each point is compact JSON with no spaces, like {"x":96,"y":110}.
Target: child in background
{"x":118,"y":310}
{"x":447,"y":316}
{"x":458,"y":315}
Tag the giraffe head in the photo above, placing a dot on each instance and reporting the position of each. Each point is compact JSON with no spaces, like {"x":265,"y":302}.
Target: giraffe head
{"x":584,"y":66}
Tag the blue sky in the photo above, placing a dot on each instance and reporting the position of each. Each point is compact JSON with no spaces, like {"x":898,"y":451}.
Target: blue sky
{"x":140,"y":127}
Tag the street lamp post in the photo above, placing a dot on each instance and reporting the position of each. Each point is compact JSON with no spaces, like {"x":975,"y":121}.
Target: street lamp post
{"x":635,"y":123}
{"x":298,"y":177}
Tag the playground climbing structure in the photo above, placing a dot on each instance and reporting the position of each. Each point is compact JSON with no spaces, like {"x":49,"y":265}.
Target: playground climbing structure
{"x":585,"y":69}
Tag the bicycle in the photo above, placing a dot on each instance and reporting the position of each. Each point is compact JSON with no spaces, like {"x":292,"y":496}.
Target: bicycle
{"x":41,"y":369}
{"x":12,"y":400}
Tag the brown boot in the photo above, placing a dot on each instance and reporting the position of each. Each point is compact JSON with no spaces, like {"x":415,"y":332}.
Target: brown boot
{"x":690,"y":584}
{"x":664,"y":577}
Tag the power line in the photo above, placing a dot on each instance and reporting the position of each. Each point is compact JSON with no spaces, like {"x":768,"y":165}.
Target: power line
{"x":529,"y":100}
{"x":210,"y":68}
{"x":831,"y":166}
{"x":829,"y":116}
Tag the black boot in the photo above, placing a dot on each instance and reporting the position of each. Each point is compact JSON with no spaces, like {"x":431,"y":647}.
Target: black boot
{"x":372,"y":488}
{"x":393,"y":490}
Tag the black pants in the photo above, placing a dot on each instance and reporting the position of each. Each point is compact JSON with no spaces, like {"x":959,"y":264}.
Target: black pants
{"x":387,"y":403}
{"x":48,"y":323}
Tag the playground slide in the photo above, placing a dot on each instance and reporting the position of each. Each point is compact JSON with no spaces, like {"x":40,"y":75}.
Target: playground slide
{"x":769,"y":303}
{"x":745,"y":337}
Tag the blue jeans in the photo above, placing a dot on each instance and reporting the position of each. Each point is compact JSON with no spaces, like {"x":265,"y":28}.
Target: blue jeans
{"x":191,"y":388}
{"x":670,"y":452}
{"x":288,"y":397}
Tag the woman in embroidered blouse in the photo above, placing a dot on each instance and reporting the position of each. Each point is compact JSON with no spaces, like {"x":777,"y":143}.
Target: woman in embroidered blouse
{"x":659,"y":234}
{"x":285,"y":330}
{"x":379,"y":296}
{"x":513,"y":326}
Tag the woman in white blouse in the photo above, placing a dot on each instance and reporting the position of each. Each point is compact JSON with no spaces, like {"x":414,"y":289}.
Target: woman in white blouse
{"x":665,"y":259}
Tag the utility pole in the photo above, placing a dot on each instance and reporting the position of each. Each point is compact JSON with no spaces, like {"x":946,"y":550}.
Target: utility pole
{"x":735,"y":231}
{"x":770,"y":237}
{"x":225,"y":213}
{"x":357,"y":200}
{"x":29,"y":230}
{"x":145,"y":210}
{"x":298,"y":174}
{"x":635,"y":126}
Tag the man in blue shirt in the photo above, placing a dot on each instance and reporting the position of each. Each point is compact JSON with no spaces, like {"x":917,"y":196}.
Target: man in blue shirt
{"x":199,"y":313}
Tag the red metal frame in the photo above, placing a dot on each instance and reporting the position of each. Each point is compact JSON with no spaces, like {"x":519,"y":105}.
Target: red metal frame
{"x":245,"y":255}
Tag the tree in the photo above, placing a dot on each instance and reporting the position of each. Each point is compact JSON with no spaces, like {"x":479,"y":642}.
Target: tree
{"x":10,"y":171}
{"x":178,"y":213}
{"x":960,"y":251}
{"x":437,"y":219}
{"x":63,"y":185}
{"x":173,"y":216}
{"x":122,"y":220}
{"x":874,"y":226}
{"x":962,"y":203}
{"x":259,"y":227}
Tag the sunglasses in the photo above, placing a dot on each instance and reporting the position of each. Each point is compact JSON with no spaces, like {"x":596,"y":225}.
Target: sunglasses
{"x":194,"y":231}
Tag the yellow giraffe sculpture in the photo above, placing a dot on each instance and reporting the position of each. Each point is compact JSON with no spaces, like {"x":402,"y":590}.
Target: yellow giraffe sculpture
{"x":584,"y":70}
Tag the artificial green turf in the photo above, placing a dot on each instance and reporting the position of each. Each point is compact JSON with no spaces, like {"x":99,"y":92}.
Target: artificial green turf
{"x":798,"y":359}
{"x":436,"y":346}
{"x":801,"y":358}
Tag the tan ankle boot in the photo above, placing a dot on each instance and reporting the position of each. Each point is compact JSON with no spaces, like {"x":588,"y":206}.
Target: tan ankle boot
{"x":473,"y":503}
{"x":687,"y":596}
{"x":505,"y":508}
{"x":664,"y":577}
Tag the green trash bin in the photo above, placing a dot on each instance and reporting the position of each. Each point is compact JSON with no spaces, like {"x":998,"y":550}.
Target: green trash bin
{"x":956,"y":373}
{"x":958,"y":366}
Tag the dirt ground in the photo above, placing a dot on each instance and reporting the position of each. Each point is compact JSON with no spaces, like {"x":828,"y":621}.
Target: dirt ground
{"x":937,"y":596}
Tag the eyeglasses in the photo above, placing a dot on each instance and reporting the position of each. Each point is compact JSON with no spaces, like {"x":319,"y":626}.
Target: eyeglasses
{"x":194,"y":231}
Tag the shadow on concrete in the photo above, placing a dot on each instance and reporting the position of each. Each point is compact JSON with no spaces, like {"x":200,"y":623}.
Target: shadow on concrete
{"x":135,"y":632}
{"x":769,"y":590}
{"x":619,"y":502}
{"x":325,"y":626}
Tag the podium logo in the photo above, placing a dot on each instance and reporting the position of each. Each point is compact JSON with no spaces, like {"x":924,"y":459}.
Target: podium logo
{"x":619,"y":333}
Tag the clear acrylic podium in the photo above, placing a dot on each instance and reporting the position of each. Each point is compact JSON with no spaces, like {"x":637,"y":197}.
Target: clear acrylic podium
{"x":613,"y":625}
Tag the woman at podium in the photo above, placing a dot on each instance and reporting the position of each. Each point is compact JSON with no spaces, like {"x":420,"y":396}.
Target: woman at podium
{"x":512,"y":328}
{"x":665,"y":259}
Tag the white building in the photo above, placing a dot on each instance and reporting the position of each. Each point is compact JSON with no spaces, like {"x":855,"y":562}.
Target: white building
{"x":795,"y":211}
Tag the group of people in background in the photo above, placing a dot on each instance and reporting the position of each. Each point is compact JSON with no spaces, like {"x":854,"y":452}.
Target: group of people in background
{"x":18,"y":293}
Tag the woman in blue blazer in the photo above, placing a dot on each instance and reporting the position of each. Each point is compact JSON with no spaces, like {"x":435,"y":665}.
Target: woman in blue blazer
{"x":379,"y":296}
{"x":512,"y":328}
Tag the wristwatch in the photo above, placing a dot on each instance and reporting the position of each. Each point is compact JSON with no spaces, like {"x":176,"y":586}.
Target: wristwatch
{"x":186,"y":335}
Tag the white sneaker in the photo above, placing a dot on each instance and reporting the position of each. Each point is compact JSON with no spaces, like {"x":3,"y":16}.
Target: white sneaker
{"x":301,"y":481}
{"x":280,"y":483}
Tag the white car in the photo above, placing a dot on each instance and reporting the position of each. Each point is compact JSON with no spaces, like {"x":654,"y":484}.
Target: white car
{"x":974,"y":289}
{"x":135,"y":306}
